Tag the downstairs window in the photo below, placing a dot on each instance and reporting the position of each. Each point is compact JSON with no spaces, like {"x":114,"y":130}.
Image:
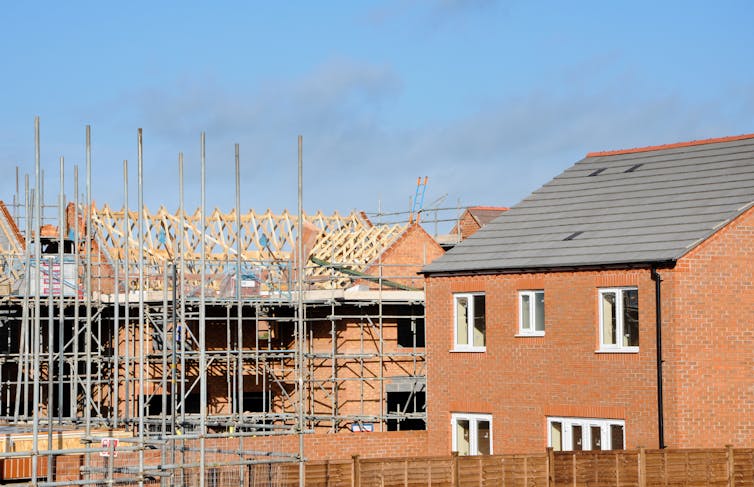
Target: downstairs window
{"x":575,"y":434}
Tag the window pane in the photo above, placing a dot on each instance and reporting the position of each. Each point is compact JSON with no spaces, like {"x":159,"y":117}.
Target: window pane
{"x":479,"y":321}
{"x":483,"y":437}
{"x":539,"y":311}
{"x":556,"y":435}
{"x":578,"y":437}
{"x":463,"y":437}
{"x":462,"y":320}
{"x":630,"y":318}
{"x":525,"y":312}
{"x":608,"y":319}
{"x":616,"y":437}
{"x":596,"y":433}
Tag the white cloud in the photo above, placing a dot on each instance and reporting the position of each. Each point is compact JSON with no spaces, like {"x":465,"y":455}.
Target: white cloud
{"x":355,"y":154}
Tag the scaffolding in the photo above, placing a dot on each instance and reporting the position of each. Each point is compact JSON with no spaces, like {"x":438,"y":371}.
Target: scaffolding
{"x":193,"y":346}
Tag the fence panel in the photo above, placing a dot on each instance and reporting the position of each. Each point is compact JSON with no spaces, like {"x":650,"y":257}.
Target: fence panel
{"x":743,"y":468}
{"x":722,"y":467}
{"x":336,"y":473}
{"x":687,"y":468}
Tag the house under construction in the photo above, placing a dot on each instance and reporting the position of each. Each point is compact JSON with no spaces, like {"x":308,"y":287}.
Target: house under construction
{"x":165,"y":333}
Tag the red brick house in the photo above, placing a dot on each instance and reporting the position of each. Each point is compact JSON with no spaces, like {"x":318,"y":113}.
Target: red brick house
{"x":474,"y":218}
{"x":612,"y":308}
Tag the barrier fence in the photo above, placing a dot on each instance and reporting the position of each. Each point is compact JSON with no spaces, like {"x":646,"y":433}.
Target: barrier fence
{"x":723,"y":467}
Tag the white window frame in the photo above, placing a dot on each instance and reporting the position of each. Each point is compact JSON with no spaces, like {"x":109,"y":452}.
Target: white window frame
{"x":469,"y":345}
{"x":473,"y":419}
{"x":586,"y":425}
{"x":532,"y":294}
{"x":617,"y":347}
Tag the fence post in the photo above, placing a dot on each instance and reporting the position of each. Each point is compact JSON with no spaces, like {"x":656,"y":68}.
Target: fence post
{"x":550,"y":462}
{"x":573,"y":467}
{"x":642,"y":467}
{"x":356,"y":478}
{"x":731,"y":465}
{"x":454,"y":474}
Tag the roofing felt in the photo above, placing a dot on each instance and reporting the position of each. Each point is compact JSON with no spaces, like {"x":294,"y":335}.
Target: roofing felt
{"x":620,"y":207}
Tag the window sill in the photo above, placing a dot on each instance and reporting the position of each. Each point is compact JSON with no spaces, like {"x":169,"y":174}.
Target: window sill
{"x":618,"y":350}
{"x":468,"y":350}
{"x":539,"y":334}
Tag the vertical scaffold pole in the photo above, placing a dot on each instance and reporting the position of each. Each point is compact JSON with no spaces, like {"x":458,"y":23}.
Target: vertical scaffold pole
{"x":202,"y":324}
{"x":239,"y":309}
{"x":184,"y":331}
{"x":88,"y":298}
{"x":61,"y":307}
{"x":300,"y":321}
{"x":127,"y":303}
{"x":140,"y":413}
{"x":37,"y":291}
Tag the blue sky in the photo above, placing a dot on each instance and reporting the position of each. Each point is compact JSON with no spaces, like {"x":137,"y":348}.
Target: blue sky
{"x":490,"y":99}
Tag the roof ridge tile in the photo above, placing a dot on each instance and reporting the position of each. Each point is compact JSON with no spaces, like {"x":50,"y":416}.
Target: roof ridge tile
{"x":675,"y":145}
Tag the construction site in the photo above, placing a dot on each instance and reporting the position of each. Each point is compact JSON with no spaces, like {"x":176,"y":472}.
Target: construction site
{"x":197,"y":346}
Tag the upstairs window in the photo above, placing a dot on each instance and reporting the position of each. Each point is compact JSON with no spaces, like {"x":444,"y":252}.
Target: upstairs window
{"x":531,"y":313}
{"x":469,"y":322}
{"x":619,"y":319}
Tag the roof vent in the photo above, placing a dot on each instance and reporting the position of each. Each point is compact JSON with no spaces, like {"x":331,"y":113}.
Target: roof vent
{"x":573,"y":235}
{"x":598,"y":171}
{"x":633,"y":168}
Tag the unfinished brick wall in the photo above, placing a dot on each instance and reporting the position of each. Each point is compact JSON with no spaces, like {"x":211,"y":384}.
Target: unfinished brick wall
{"x":365,"y":365}
{"x":467,"y":224}
{"x":345,"y":445}
{"x":522,"y":380}
{"x":402,"y":261}
{"x":709,"y":341}
{"x":316,"y":447}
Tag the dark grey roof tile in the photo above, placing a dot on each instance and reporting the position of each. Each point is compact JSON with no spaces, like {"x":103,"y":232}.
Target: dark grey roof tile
{"x":674,"y":199}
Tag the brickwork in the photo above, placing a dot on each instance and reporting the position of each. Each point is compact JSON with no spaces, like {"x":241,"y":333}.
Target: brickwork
{"x":467,"y":225}
{"x":709,"y":357}
{"x":364,"y":365}
{"x":317,"y":447}
{"x":522,"y":380}
{"x":345,"y":445}
{"x":402,"y":261}
{"x":708,"y":351}
{"x":362,"y":358}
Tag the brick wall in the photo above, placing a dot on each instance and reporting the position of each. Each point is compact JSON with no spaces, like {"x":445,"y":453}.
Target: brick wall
{"x":316,"y":447}
{"x":522,"y":380}
{"x":361,"y":376}
{"x":345,"y":445}
{"x":708,"y":351}
{"x":709,"y":354}
{"x":466,"y":226}
{"x":402,"y":261}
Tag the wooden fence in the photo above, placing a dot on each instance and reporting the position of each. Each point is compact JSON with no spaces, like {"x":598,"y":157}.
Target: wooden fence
{"x":724,"y":467}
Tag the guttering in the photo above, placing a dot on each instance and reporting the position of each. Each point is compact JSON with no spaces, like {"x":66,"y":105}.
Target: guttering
{"x":658,"y":330}
{"x":544,"y":269}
